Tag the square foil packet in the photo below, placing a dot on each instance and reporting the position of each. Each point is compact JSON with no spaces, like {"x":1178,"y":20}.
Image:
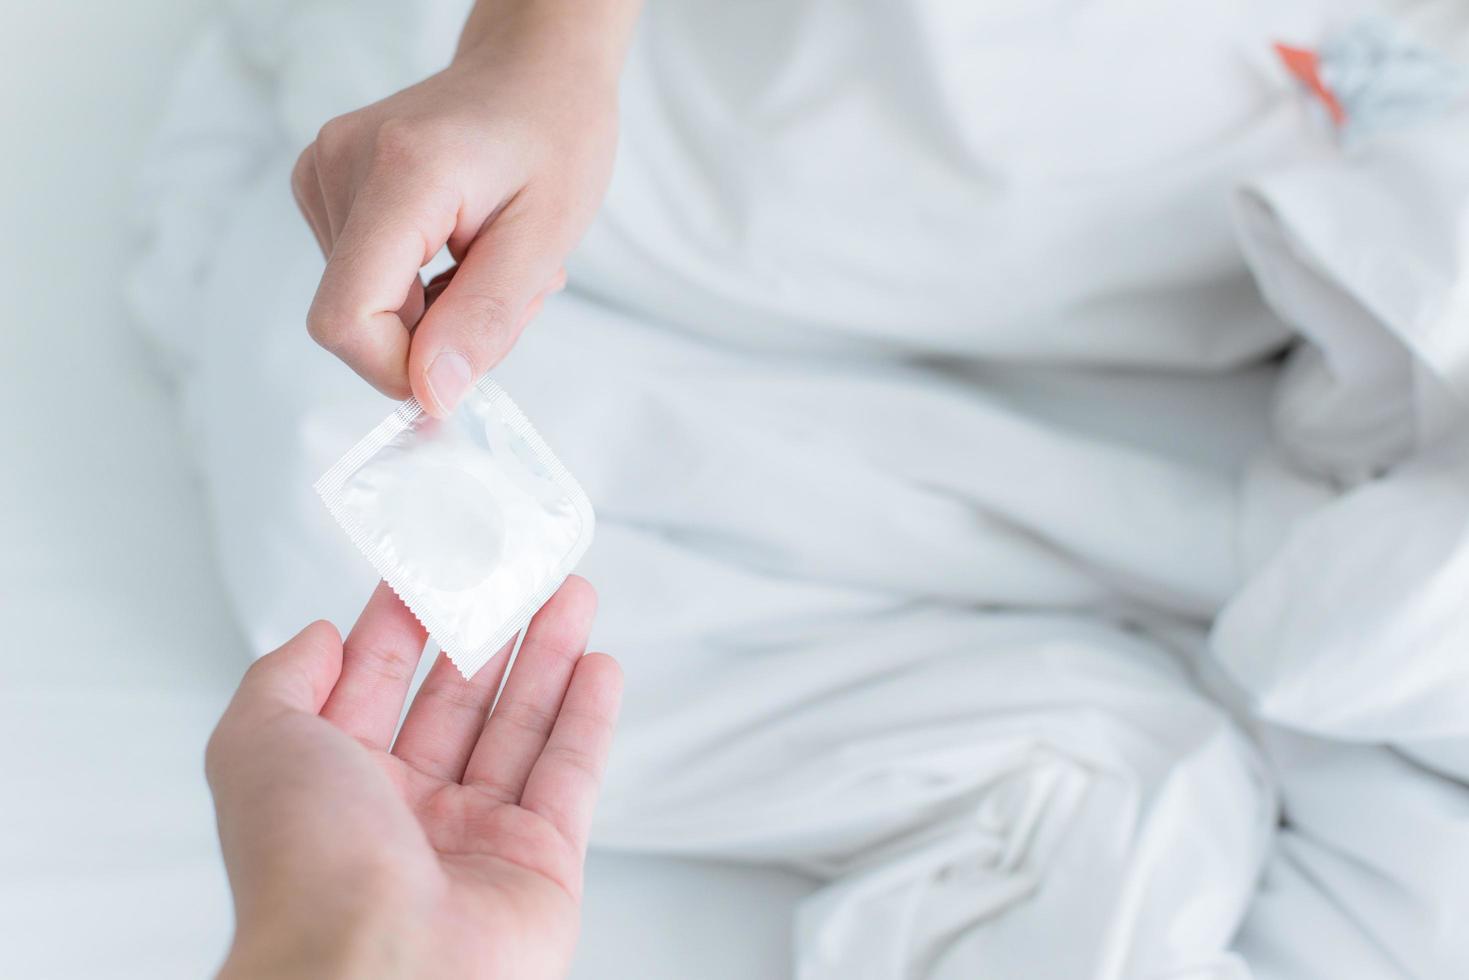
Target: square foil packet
{"x":472,"y":519}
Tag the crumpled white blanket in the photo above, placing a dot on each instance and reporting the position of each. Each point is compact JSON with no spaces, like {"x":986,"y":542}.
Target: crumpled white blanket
{"x":962,"y":541}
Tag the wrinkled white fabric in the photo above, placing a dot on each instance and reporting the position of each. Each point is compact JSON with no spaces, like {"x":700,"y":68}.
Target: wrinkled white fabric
{"x":922,"y":385}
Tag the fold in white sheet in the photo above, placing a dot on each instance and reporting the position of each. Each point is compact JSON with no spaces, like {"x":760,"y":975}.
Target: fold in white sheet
{"x":931,"y":630}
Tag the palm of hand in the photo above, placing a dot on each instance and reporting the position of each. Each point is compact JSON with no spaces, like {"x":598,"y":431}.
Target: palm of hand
{"x":508,"y":879}
{"x":473,"y":831}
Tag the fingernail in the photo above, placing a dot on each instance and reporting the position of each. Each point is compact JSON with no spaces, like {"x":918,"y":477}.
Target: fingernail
{"x":448,"y":377}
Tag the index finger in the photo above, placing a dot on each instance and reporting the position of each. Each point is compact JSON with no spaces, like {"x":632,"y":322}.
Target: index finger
{"x":370,"y":276}
{"x":379,"y":658}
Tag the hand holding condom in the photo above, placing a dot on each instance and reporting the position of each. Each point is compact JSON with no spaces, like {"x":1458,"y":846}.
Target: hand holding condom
{"x":456,"y":848}
{"x":502,"y":158}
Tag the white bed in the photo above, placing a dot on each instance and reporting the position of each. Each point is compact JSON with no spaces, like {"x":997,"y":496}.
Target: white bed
{"x":121,"y":649}
{"x":119,"y":645}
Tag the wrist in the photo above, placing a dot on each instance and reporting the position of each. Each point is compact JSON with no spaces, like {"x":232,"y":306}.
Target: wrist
{"x":366,"y":938}
{"x":590,"y":35}
{"x":298,"y":957}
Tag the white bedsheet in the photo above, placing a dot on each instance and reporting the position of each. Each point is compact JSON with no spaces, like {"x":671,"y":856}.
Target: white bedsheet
{"x":936,"y":631}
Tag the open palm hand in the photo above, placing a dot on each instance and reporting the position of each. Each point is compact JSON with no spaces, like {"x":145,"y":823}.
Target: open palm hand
{"x":454,"y":850}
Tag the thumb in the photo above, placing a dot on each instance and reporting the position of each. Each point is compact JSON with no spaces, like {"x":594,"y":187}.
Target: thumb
{"x":477,"y":318}
{"x":297,"y":676}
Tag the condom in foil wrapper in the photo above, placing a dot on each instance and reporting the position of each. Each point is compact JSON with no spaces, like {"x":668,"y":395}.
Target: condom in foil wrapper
{"x":471,"y":519}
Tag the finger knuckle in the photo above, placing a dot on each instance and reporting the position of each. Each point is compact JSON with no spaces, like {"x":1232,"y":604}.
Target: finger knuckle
{"x":489,"y":309}
{"x":386,"y":660}
{"x":327,"y":326}
{"x":459,"y":698}
{"x":335,"y":137}
{"x":574,"y":761}
{"x":303,"y":174}
{"x":399,"y":142}
{"x":529,"y":718}
{"x":498,"y":787}
{"x":257,"y":668}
